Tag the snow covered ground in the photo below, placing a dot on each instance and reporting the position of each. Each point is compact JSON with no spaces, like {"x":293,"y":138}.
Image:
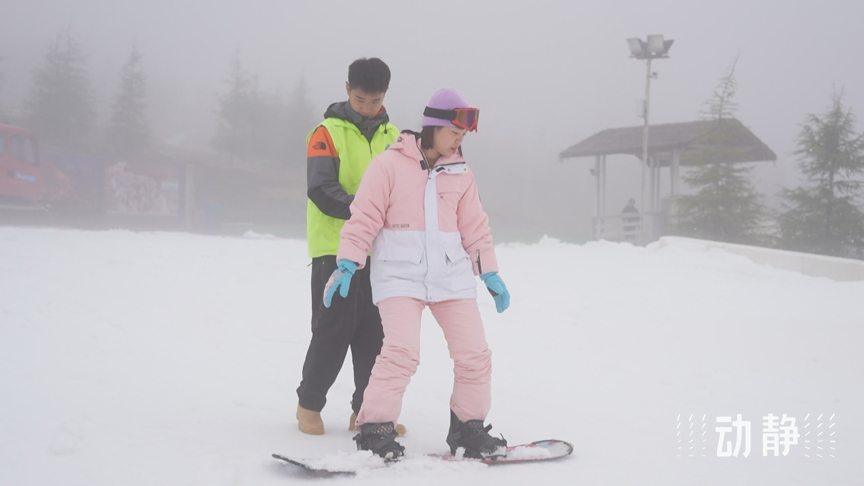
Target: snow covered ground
{"x":169,"y":358}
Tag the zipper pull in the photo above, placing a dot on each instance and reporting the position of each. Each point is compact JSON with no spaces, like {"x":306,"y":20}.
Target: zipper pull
{"x":479,"y":268}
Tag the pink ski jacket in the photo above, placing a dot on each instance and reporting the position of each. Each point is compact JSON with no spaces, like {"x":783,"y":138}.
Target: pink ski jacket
{"x":425,"y":226}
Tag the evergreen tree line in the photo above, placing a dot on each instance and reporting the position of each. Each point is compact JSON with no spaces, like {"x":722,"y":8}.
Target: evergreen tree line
{"x":255,"y":124}
{"x":824,"y":215}
{"x":252,"y":125}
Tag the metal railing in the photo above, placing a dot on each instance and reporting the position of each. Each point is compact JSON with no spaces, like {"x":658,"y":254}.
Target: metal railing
{"x":634,"y":227}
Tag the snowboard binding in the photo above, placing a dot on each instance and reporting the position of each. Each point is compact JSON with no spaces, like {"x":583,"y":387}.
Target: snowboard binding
{"x":474,"y":437}
{"x":380,"y":438}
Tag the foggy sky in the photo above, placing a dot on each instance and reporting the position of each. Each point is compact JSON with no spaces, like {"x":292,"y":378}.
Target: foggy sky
{"x":546,"y":74}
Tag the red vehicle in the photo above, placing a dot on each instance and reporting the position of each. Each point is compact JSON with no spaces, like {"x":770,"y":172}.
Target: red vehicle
{"x":26,"y":181}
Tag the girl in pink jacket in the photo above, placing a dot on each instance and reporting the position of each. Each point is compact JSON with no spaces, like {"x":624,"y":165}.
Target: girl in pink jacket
{"x":419,"y":214}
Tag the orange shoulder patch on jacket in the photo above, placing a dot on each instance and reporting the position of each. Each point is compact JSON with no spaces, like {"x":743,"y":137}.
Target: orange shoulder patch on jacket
{"x":321,"y":144}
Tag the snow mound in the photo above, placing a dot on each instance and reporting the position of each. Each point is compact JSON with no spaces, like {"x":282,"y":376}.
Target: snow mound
{"x":251,"y":235}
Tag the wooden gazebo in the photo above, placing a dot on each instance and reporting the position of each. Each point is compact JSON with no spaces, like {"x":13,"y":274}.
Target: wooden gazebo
{"x":670,"y":145}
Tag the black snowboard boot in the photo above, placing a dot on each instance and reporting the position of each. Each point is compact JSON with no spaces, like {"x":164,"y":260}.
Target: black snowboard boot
{"x":475,"y":438}
{"x":381,"y":440}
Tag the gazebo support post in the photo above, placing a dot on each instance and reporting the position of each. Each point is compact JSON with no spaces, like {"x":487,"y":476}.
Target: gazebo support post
{"x":603,"y":186}
{"x":673,"y":172}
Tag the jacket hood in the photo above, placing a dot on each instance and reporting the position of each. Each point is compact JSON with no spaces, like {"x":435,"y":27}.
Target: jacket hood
{"x":408,"y":144}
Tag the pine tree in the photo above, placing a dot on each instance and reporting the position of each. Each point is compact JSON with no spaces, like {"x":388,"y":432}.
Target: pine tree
{"x":825,"y":214}
{"x":1,"y":76}
{"x":262,"y":118}
{"x":301,"y":119}
{"x":61,"y":101}
{"x":1,"y":86}
{"x":255,"y":124}
{"x":234,"y":129}
{"x":725,"y":205}
{"x":128,"y":130}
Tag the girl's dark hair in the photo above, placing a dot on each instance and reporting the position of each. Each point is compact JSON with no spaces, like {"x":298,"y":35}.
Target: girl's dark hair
{"x":370,"y":75}
{"x":427,"y":136}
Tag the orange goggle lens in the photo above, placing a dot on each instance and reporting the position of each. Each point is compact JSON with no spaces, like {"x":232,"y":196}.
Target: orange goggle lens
{"x":465,"y":118}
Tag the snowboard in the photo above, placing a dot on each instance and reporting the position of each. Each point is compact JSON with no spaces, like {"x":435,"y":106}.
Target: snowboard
{"x":543,"y":450}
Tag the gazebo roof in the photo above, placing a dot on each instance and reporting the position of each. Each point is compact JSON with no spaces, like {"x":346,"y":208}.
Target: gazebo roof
{"x":688,"y":138}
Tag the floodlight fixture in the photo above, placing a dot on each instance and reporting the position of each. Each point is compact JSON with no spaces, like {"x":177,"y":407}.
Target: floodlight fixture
{"x":636,"y":47}
{"x":656,"y":47}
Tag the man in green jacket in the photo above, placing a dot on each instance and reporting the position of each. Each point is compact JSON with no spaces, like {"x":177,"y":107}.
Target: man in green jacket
{"x":338,"y":152}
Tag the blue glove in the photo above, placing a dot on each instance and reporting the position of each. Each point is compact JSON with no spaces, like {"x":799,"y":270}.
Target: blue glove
{"x":497,"y":289}
{"x":339,"y":279}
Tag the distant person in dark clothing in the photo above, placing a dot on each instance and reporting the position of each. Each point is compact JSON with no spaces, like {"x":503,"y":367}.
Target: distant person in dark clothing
{"x":630,"y":221}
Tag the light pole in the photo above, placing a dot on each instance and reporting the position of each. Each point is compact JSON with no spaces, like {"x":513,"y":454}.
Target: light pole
{"x":654,"y":48}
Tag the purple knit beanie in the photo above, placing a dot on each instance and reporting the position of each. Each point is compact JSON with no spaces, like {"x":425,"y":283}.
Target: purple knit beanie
{"x":444,"y":99}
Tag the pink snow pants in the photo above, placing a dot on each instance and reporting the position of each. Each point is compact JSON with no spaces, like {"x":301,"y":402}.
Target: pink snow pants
{"x":400,"y":356}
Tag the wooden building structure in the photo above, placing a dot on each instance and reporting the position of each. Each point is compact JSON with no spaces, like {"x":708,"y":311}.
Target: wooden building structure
{"x":671,"y":146}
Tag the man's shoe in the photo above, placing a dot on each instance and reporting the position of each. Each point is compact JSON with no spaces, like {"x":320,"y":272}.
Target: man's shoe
{"x":309,"y":422}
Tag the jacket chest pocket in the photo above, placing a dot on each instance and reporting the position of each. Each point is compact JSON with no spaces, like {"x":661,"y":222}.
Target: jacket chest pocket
{"x":449,"y":198}
{"x":448,"y":204}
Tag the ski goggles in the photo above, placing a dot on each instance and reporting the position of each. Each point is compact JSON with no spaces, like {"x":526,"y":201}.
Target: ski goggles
{"x":465,"y":118}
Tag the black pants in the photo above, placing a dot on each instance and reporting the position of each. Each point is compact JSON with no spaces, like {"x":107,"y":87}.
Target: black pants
{"x":352,"y":322}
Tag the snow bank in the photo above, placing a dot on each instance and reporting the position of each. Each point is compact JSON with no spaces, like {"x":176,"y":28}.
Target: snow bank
{"x":840,"y":269}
